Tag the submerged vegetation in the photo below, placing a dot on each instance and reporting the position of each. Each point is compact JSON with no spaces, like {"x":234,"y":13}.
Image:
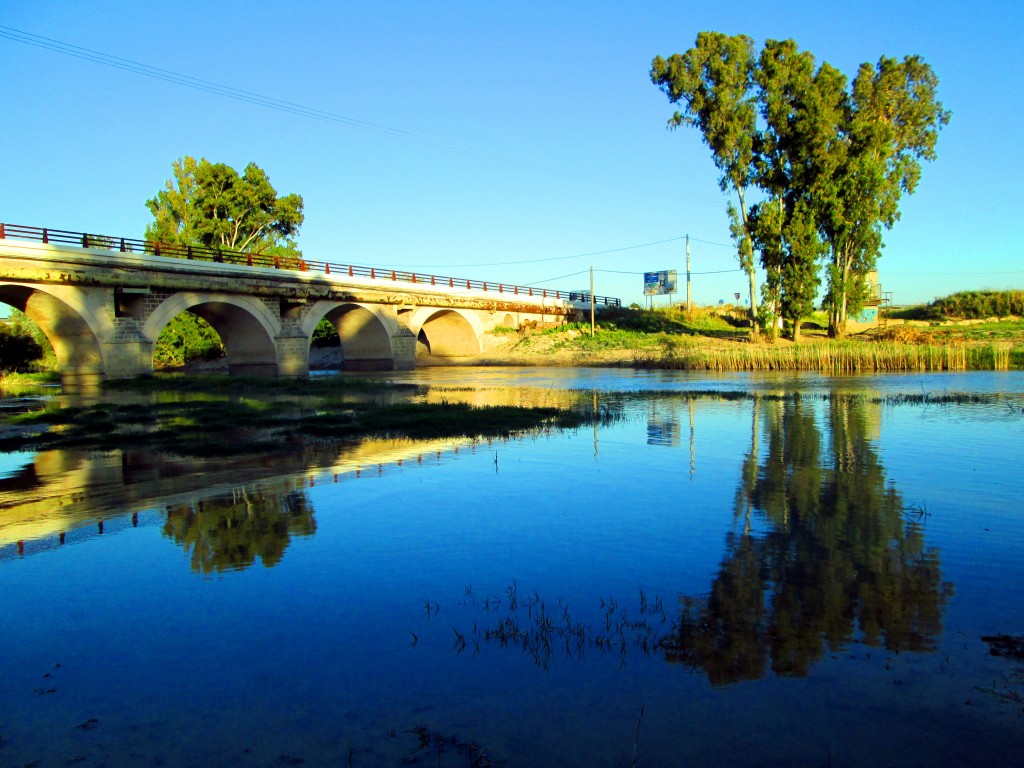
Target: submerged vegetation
{"x":232,"y":416}
{"x":224,"y":416}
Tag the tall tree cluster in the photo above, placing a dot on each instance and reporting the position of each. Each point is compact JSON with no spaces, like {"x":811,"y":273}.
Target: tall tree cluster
{"x":212,"y":205}
{"x":824,"y":160}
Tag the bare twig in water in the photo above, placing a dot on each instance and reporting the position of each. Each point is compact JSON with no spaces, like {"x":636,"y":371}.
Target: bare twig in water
{"x":636,"y":737}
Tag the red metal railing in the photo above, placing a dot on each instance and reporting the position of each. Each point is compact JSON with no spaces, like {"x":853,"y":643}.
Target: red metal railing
{"x":246,"y":258}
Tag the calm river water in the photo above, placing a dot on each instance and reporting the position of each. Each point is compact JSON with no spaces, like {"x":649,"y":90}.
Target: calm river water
{"x":724,"y":580}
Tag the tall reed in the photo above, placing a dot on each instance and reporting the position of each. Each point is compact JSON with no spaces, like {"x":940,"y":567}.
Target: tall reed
{"x":830,"y":357}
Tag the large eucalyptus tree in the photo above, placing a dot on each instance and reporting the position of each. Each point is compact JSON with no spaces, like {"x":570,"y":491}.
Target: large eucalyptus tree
{"x":713,"y":83}
{"x":830,"y":162}
{"x":891,"y":125}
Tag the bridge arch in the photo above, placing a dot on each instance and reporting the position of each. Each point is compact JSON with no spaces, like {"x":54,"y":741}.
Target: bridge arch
{"x":245,"y":325}
{"x":70,"y":322}
{"x":366,"y":333}
{"x":447,"y":332}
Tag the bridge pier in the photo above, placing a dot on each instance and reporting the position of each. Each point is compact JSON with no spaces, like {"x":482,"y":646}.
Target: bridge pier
{"x":127,"y":359}
{"x":292,"y":356}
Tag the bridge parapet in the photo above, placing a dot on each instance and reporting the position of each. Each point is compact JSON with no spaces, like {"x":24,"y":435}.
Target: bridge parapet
{"x":126,"y":245}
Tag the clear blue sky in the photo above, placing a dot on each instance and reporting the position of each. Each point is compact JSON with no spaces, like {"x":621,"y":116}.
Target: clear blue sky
{"x":505,"y":141}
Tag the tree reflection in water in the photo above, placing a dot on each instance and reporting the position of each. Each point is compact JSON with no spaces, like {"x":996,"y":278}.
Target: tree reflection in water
{"x":228,"y":532}
{"x":837,"y":557}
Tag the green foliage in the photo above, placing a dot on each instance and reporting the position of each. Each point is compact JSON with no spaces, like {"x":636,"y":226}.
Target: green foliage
{"x":713,"y":82}
{"x":20,"y":384}
{"x":916,"y":312}
{"x":979,"y":304}
{"x":325,"y":334}
{"x":228,"y":533}
{"x":18,"y":350}
{"x":211,"y":205}
{"x":503,"y":330}
{"x":891,"y":124}
{"x":187,"y":337}
{"x":24,"y":347}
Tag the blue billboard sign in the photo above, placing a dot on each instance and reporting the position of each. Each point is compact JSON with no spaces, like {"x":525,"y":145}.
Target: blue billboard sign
{"x":658,"y":283}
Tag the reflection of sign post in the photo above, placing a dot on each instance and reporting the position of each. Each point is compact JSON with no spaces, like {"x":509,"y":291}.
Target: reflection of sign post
{"x":664,"y":432}
{"x":659,"y":283}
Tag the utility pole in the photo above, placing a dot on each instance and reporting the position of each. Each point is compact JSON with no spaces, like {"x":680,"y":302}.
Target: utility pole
{"x":689,"y":299}
{"x":591,"y":302}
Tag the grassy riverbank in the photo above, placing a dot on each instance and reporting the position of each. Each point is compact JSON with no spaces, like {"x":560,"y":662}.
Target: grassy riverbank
{"x":711,"y":339}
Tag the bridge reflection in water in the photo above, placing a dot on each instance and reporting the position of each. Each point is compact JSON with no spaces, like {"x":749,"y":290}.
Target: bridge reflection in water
{"x":226,"y":512}
{"x":62,"y":496}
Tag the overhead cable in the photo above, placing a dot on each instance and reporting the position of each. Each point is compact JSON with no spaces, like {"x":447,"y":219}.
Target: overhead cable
{"x":281,"y":105}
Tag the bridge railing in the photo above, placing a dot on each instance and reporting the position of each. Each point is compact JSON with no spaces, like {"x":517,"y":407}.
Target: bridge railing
{"x":248,"y":258}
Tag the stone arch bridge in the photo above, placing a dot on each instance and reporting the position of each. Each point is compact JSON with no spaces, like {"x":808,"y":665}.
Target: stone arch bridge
{"x":102,"y":302}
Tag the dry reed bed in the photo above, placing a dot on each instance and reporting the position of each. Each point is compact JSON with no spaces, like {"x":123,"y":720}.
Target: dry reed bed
{"x":833,"y":357}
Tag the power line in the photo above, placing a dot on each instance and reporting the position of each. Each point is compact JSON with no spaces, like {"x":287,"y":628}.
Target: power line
{"x":932,"y":274}
{"x":269,"y":102}
{"x":715,"y":272}
{"x":560,"y":277}
{"x":552,"y":258}
{"x":708,"y":242}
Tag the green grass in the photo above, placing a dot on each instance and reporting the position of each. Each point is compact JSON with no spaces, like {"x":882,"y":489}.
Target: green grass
{"x":641,"y":329}
{"x":707,"y":321}
{"x":16,"y":384}
{"x":1001,"y":331}
{"x":603,"y":338}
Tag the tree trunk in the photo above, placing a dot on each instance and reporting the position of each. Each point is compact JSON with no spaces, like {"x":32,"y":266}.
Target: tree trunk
{"x":842,"y":302}
{"x":837,"y":311}
{"x":755,"y":327}
{"x":754,"y":324}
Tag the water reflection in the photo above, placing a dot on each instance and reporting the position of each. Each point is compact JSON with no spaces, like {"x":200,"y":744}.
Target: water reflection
{"x":228,"y":533}
{"x":825,"y":552}
{"x":226,"y":512}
